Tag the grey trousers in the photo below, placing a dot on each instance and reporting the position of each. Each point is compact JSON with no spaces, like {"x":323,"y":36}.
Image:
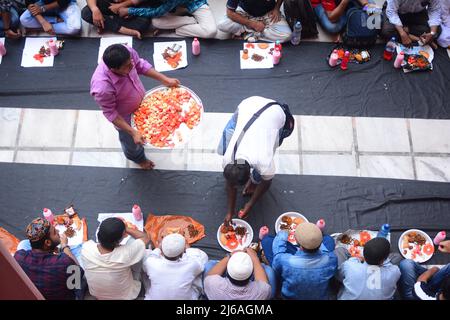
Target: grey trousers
{"x":132,"y":151}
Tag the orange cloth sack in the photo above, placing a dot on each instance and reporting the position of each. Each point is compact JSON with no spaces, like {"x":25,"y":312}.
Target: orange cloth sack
{"x":9,"y":241}
{"x":159,"y":226}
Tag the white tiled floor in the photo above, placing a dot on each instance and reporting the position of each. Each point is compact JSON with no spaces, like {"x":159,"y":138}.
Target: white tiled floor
{"x":9,"y":120}
{"x":43,"y":157}
{"x":396,"y":167}
{"x":435,"y":169}
{"x":99,"y":159}
{"x":6,"y":156}
{"x":94,"y":131}
{"x":382,"y":135}
{"x":287,"y":163}
{"x":47,"y":128}
{"x":333,"y":165}
{"x":430,"y":135}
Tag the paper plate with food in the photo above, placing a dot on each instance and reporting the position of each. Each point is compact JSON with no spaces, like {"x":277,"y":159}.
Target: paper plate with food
{"x":158,"y":227}
{"x":355,"y":240}
{"x":167,"y":116}
{"x":128,"y":218}
{"x":416,"y":245}
{"x":237,"y":236}
{"x":72,"y":226}
{"x":289,"y":221}
{"x":257,"y":55}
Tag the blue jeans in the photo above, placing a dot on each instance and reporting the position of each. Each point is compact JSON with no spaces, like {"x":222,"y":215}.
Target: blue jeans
{"x":411,"y":271}
{"x":269,"y":272}
{"x":71,"y":16}
{"x":331,"y":27}
{"x":132,"y":151}
{"x":13,"y":25}
{"x":267,"y":242}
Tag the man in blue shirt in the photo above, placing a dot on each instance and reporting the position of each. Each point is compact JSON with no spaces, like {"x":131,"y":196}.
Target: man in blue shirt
{"x":305,"y":272}
{"x":256,"y":20}
{"x":189,"y":18}
{"x":374,"y":279}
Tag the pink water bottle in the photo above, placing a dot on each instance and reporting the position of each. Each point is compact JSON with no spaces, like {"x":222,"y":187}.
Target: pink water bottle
{"x":276,"y":56}
{"x":53,"y":48}
{"x":137,"y":212}
{"x":2,"y":49}
{"x":399,"y":59}
{"x":344,"y":63}
{"x":439,"y":238}
{"x":321,"y":224}
{"x":48,"y":214}
{"x":333,"y":58}
{"x":195,"y":47}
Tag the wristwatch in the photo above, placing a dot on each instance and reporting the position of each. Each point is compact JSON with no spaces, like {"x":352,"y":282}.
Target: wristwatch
{"x":42,"y":9}
{"x":64,"y":247}
{"x":433,"y":33}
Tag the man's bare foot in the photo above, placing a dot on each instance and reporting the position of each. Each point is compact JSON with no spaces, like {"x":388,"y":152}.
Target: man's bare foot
{"x":130,"y":32}
{"x":12,"y":35}
{"x":147,"y":165}
{"x":249,"y":188}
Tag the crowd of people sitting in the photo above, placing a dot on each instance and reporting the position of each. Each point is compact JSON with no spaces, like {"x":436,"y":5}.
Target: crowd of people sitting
{"x":271,"y":269}
{"x":409,"y":20}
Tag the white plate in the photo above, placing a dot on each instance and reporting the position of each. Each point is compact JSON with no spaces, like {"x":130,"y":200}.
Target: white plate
{"x":248,"y":239}
{"x":419,"y":259}
{"x":291,"y":214}
{"x":183,"y":129}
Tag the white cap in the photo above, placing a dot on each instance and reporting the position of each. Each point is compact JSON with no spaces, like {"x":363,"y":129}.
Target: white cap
{"x":240,"y":266}
{"x":173,"y":245}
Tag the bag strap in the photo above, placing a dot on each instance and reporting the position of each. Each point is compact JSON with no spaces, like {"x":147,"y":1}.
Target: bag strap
{"x":247,"y":126}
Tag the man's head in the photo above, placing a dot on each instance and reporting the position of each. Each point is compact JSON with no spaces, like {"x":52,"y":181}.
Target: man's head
{"x":376,"y":251}
{"x":173,"y":246}
{"x":111,"y":232}
{"x":118,"y":59}
{"x":42,"y":235}
{"x":445,"y":289}
{"x":237,"y":173}
{"x":308,"y":236}
{"x":240,"y":268}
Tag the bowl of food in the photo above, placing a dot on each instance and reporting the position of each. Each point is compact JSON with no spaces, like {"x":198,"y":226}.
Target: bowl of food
{"x":416,"y":245}
{"x":237,"y":236}
{"x":166,"y":116}
{"x":289,"y":221}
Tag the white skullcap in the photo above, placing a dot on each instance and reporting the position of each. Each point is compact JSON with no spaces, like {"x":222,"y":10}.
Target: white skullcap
{"x":173,"y":245}
{"x":240,"y":266}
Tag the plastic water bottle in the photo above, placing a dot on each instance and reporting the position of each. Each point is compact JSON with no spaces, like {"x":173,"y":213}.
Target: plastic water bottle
{"x":399,"y":60}
{"x":137,"y":212}
{"x":296,"y":33}
{"x":334,"y":57}
{"x":2,"y":49}
{"x":195,"y":47}
{"x":345,"y":59}
{"x":276,"y":55}
{"x":389,"y":49}
{"x":48,"y":214}
{"x":384,"y":231}
{"x":53,"y":48}
{"x":278,"y":45}
{"x":321,"y":224}
{"x":439,"y":238}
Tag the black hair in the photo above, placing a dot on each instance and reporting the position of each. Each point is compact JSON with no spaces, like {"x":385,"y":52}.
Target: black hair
{"x":110,"y":233}
{"x":115,"y":56}
{"x":445,"y":288}
{"x":40,"y":243}
{"x":237,"y":174}
{"x":311,"y":250}
{"x":376,"y":250}
{"x":238,"y":283}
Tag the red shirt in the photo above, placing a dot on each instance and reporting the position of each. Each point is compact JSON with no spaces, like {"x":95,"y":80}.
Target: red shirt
{"x":328,"y":5}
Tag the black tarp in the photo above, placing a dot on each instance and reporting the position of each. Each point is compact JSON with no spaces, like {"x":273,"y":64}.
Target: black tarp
{"x":344,"y":202}
{"x":302,"y":79}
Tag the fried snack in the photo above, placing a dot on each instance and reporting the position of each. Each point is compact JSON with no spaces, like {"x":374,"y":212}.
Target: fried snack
{"x":425,"y":54}
{"x":192,"y":231}
{"x":70,"y":232}
{"x":346,"y":239}
{"x":415,"y":237}
{"x":263,"y":45}
{"x":241,"y":231}
{"x":60,"y":219}
{"x":257,"y":57}
{"x":286,"y":219}
{"x":298,"y":220}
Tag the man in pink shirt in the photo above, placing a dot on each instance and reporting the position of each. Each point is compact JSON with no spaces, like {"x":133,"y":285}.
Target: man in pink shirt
{"x":117,"y":89}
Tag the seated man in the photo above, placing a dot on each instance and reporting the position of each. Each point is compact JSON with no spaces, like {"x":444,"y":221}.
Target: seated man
{"x":306,"y":272}
{"x":412,"y":20}
{"x":174,"y":270}
{"x":113,"y":271}
{"x":48,"y":270}
{"x":418,"y":283}
{"x":256,"y":20}
{"x":444,"y":38}
{"x":248,"y":154}
{"x":191,"y":18}
{"x":104,"y":14}
{"x":9,"y":20}
{"x":331,"y":16}
{"x":239,"y":276}
{"x":374,"y":279}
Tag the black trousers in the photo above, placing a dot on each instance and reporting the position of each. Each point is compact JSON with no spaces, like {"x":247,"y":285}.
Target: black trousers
{"x":114,"y":22}
{"x":417,"y":24}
